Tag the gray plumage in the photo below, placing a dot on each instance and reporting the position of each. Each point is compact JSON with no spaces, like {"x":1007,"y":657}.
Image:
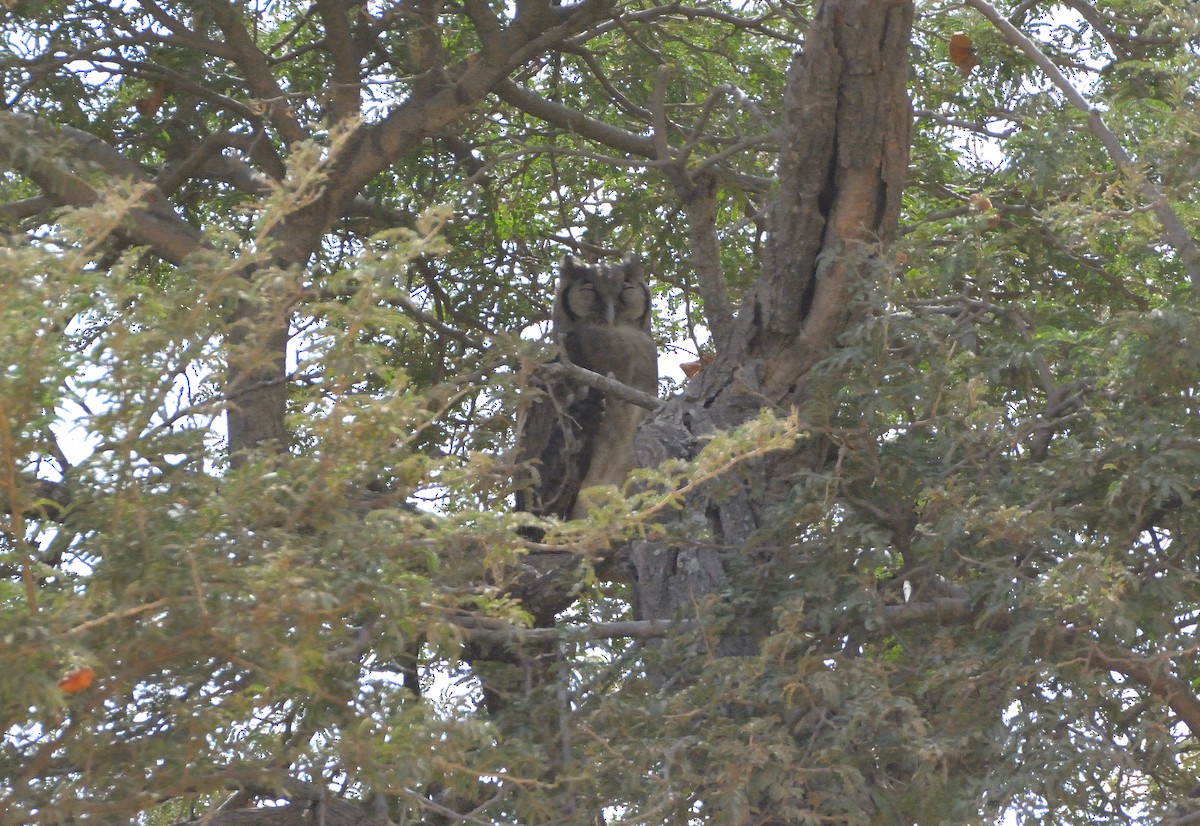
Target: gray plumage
{"x":573,"y":436}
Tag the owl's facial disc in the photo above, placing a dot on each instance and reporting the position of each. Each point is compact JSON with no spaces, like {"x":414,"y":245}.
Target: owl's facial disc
{"x":579,"y":300}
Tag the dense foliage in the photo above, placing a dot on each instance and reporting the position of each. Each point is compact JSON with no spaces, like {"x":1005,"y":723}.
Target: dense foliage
{"x":972,"y":589}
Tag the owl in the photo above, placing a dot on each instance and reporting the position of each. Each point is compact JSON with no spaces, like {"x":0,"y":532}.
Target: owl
{"x":574,"y":437}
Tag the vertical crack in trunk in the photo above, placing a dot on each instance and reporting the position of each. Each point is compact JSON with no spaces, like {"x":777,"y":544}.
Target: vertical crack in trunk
{"x":841,"y":172}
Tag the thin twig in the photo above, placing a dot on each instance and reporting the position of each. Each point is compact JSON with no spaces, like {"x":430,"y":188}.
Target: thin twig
{"x":484,"y":629}
{"x":124,"y":613}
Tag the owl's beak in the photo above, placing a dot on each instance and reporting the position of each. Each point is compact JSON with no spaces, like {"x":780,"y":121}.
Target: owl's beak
{"x":610,"y":313}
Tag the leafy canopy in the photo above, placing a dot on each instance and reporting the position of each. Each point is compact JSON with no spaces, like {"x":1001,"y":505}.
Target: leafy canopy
{"x":980,"y":600}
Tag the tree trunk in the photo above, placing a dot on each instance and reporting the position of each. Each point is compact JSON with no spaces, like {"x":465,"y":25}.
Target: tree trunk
{"x":842,"y":167}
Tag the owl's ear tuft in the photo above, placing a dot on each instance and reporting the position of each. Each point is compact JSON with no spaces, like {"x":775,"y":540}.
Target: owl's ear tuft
{"x":632,"y":265}
{"x":570,"y":264}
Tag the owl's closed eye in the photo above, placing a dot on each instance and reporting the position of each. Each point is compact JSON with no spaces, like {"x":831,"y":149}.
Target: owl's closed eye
{"x":601,"y":295}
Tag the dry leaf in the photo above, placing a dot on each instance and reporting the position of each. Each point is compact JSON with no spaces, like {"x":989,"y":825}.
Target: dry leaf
{"x":962,"y":53}
{"x":979,"y":203}
{"x":691,"y":368}
{"x":148,"y":106}
{"x":77,"y":680}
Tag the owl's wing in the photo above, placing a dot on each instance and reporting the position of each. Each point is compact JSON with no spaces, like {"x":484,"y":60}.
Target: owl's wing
{"x":555,"y":441}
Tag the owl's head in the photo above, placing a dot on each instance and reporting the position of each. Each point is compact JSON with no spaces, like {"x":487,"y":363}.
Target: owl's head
{"x":607,"y":294}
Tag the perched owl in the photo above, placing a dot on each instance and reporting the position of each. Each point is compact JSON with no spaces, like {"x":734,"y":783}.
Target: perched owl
{"x":574,"y":436}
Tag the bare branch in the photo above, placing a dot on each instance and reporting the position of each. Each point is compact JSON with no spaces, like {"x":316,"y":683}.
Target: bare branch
{"x":660,"y":128}
{"x":700,"y":205}
{"x":28,"y":146}
{"x":430,"y":320}
{"x":677,"y":9}
{"x":1153,"y":675}
{"x":339,"y":41}
{"x":615,"y":94}
{"x":611,"y":387}
{"x":182,"y":35}
{"x":958,"y":123}
{"x":124,"y":613}
{"x":575,"y":121}
{"x":257,"y":71}
{"x":483,"y":629}
{"x":1121,"y":44}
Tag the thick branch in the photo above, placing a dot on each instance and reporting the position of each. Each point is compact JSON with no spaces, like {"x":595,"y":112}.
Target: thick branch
{"x":841,"y":172}
{"x":1155,"y":677}
{"x":257,"y":71}
{"x":944,"y":611}
{"x":15,"y":211}
{"x":700,"y":206}
{"x":340,"y":42}
{"x":575,"y":121}
{"x":29,"y":147}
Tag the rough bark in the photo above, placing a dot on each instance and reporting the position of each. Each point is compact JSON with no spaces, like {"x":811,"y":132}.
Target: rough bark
{"x":843,"y":160}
